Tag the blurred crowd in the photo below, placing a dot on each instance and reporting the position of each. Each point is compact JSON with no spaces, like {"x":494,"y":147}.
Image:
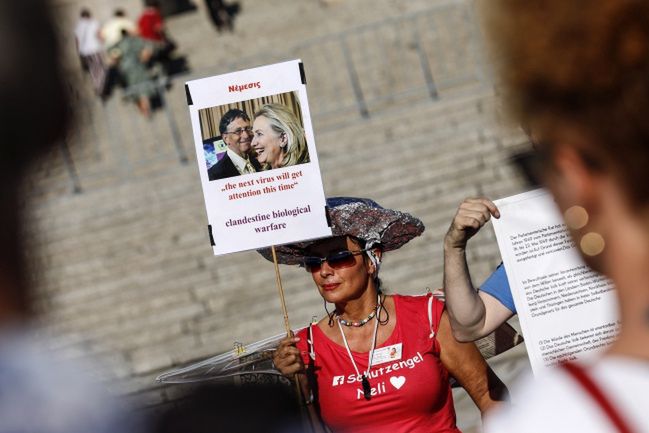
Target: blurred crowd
{"x":136,"y":55}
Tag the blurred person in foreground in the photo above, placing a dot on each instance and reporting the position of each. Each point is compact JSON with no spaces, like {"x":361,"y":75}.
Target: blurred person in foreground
{"x":580,"y":71}
{"x":378,"y":362}
{"x":230,"y":408}
{"x":38,"y":393}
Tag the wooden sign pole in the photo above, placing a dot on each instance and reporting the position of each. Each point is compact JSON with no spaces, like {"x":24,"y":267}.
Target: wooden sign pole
{"x":280,"y":289}
{"x":311,"y":423}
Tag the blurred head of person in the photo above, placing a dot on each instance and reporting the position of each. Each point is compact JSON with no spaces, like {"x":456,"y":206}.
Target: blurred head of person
{"x":278,"y":138}
{"x":34,"y":116}
{"x":223,"y":407}
{"x":236,"y":132}
{"x":578,"y":71}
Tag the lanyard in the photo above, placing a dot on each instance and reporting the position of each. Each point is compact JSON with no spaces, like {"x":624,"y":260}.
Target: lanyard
{"x":367,"y":389}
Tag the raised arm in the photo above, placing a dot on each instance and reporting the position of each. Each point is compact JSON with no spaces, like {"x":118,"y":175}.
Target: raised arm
{"x":472,"y":314}
{"x":466,"y":364}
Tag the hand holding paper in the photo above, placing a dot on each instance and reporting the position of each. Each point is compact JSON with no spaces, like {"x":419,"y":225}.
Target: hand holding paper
{"x":473,"y":314}
{"x":472,"y":214}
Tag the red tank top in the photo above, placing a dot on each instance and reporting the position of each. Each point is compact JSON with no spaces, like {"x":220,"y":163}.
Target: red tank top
{"x":410,"y":388}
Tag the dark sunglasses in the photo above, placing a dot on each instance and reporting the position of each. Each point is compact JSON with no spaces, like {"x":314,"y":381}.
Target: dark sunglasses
{"x":531,"y":164}
{"x":337,"y":260}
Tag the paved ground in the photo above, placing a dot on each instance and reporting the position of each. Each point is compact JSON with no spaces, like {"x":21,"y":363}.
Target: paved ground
{"x":126,"y":271}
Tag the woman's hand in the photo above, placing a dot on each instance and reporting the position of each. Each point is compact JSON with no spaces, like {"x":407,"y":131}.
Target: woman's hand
{"x":287,"y":358}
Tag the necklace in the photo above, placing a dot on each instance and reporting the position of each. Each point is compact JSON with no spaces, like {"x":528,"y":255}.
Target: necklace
{"x":365,"y":381}
{"x":357,"y":324}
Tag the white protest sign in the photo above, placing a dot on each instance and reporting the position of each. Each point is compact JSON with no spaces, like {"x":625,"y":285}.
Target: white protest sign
{"x":566,"y":310}
{"x":259,"y":170}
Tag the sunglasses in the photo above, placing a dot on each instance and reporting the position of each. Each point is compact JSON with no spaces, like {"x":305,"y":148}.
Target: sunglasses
{"x":337,"y":260}
{"x":532,"y":163}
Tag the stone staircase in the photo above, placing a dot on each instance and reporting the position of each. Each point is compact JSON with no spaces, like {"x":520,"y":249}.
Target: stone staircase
{"x":126,"y":272}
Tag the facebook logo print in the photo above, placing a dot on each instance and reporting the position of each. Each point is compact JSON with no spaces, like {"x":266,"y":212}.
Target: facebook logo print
{"x":338,"y":380}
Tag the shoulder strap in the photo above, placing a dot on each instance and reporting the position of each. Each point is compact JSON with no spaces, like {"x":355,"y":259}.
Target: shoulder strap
{"x":592,"y":389}
{"x":432,"y":312}
{"x":310,"y":343}
{"x":312,"y":380}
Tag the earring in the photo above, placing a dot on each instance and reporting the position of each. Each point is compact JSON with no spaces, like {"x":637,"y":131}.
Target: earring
{"x":592,"y":243}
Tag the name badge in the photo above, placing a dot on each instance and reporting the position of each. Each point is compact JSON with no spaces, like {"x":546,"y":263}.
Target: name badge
{"x":387,"y":354}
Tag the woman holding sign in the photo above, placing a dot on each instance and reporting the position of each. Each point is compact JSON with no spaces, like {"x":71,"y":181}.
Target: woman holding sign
{"x":278,"y":138}
{"x":377,"y":362}
{"x":580,"y":72}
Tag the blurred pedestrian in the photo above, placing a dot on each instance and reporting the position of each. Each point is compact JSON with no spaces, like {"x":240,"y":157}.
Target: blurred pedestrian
{"x":114,"y":28}
{"x":151,"y":24}
{"x":131,"y":55}
{"x":223,"y":14}
{"x":151,"y":28}
{"x":90,"y":49}
{"x":38,"y":392}
{"x":579,"y":70}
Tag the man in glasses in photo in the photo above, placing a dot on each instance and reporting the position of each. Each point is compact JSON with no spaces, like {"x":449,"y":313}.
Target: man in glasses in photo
{"x":237,"y":135}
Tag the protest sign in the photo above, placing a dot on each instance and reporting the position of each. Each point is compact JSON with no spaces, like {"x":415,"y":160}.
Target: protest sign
{"x":566,"y":310}
{"x":258,"y":164}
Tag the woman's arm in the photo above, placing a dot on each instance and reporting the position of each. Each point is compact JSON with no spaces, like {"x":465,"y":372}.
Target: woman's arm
{"x":473,"y":315}
{"x":466,"y":364}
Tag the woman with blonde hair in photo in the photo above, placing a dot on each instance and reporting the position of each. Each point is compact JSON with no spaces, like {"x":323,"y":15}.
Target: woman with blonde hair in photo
{"x":278,"y":137}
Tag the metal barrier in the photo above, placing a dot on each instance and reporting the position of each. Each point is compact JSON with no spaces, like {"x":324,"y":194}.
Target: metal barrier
{"x":429,"y":55}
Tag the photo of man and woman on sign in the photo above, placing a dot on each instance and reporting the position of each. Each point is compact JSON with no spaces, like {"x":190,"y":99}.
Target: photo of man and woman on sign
{"x":256,"y":135}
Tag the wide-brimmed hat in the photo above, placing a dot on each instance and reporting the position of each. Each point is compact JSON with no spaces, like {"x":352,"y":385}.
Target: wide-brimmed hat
{"x":361,"y":218}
